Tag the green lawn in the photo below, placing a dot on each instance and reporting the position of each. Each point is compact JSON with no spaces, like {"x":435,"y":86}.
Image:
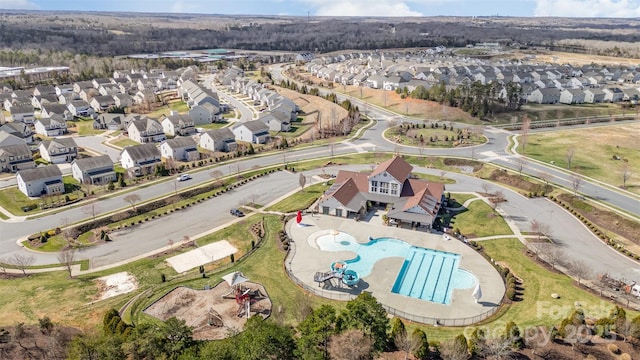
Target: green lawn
{"x":480,"y":220}
{"x":434,"y":137}
{"x":435,"y":178}
{"x":124,"y":142}
{"x":13,"y":200}
{"x":213,"y":126}
{"x":179,"y":106}
{"x":86,"y":128}
{"x":593,"y":152}
{"x":461,"y":198}
{"x":300,"y":200}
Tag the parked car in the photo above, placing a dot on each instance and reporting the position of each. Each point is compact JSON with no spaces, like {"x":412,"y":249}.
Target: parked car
{"x":236,"y":212}
{"x":184,"y":177}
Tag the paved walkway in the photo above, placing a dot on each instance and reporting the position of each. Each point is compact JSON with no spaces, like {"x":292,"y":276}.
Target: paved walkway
{"x":309,"y":259}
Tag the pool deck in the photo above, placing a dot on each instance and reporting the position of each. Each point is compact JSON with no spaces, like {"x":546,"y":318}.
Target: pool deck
{"x":308,"y":260}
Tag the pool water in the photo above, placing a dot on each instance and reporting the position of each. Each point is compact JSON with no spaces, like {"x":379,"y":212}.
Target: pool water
{"x":426,"y":274}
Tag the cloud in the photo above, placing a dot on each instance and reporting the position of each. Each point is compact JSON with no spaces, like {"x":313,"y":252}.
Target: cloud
{"x":588,"y":8}
{"x":18,"y":4}
{"x":362,"y":8}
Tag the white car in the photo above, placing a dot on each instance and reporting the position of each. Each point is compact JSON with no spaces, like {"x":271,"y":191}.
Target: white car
{"x":183,"y":177}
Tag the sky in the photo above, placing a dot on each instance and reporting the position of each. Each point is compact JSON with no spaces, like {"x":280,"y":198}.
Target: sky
{"x":562,"y":8}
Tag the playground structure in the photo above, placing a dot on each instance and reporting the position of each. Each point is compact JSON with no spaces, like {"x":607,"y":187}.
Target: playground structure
{"x":340,"y":272}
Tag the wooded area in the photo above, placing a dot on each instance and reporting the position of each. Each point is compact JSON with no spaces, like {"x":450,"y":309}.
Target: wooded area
{"x":129,"y":33}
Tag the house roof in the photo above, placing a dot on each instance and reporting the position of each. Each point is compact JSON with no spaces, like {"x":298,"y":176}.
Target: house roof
{"x":96,"y":162}
{"x":16,"y":128}
{"x":42,"y":172}
{"x":348,"y":194}
{"x":146,"y":124}
{"x":179,"y":119}
{"x":21,"y":109}
{"x":255,"y":126}
{"x":50,"y":120}
{"x":54,"y":108}
{"x":17,"y":149}
{"x":7,"y":138}
{"x":223,"y":134}
{"x":181,"y":142}
{"x":143,"y":151}
{"x":59,"y":143}
{"x":397,"y":167}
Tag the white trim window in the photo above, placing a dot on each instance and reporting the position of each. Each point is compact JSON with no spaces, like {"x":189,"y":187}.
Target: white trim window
{"x":374,"y":186}
{"x":394,"y":189}
{"x":384,"y":187}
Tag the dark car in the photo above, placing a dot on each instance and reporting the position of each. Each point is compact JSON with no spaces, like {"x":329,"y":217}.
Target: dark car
{"x":236,"y":212}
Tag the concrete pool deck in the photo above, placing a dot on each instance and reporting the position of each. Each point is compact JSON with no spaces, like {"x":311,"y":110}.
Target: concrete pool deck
{"x":308,"y":259}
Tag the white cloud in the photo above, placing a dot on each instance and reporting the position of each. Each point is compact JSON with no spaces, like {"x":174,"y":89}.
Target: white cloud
{"x":588,"y":8}
{"x":181,"y":7}
{"x":18,"y":4}
{"x":362,"y":8}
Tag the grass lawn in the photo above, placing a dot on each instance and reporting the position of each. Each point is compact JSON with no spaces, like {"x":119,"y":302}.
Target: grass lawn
{"x":121,"y":143}
{"x":593,"y":152}
{"x":461,"y":198}
{"x":480,"y":220}
{"x":213,"y":126}
{"x":86,"y":128}
{"x":435,"y":178}
{"x":13,"y":200}
{"x":300,"y":200}
{"x":435,"y":137}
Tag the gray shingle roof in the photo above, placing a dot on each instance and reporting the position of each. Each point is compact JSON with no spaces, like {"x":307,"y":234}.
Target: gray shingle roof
{"x":87,"y":164}
{"x":221,"y":134}
{"x":143,"y":151}
{"x":40,"y":173}
{"x":180,"y":142}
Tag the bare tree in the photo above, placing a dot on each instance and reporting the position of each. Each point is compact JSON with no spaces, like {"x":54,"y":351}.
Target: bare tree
{"x":499,"y":348}
{"x":569,"y":157}
{"x":521,"y":163}
{"x":485,"y":186}
{"x":576,"y":182}
{"x":66,"y":258}
{"x":350,"y":345}
{"x":302,"y":180}
{"x":406,"y":343}
{"x":541,"y":229}
{"x":92,"y":209}
{"x":524,"y":132}
{"x":552,"y":255}
{"x":496,"y":199}
{"x":626,"y":174}
{"x":579,"y":270}
{"x":22,"y":262}
{"x":69,"y":232}
{"x":454,"y":350}
{"x":132,"y":199}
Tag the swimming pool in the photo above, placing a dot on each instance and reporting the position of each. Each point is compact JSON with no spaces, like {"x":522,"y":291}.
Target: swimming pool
{"x":426,"y":274}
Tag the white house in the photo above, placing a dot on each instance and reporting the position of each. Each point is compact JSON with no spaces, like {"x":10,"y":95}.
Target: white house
{"x":276,"y":121}
{"x":146,"y":130}
{"x":80,"y":108}
{"x":544,"y":96}
{"x":613,"y":94}
{"x":219,"y":140}
{"x":204,"y":114}
{"x":96,"y":170}
{"x":254,"y":131}
{"x":40,"y":181}
{"x":593,"y":95}
{"x":50,"y":110}
{"x":180,"y":149}
{"x":15,"y":156}
{"x":177,"y":124}
{"x":51,"y":126}
{"x":102,"y":103}
{"x":123,"y":100}
{"x":58,"y":151}
{"x":571,"y":96}
{"x":140,"y":159}
{"x":23,"y":113}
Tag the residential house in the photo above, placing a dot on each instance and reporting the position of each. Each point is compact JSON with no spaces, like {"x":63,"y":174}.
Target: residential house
{"x":7,"y":138}
{"x":177,"y":124}
{"x":63,"y":89}
{"x":80,"y":108}
{"x":254,"y":131}
{"x":51,"y":126}
{"x":22,"y":113}
{"x":204,"y":114}
{"x":58,"y":151}
{"x":572,"y":96}
{"x":123,"y":100}
{"x":102,"y":103}
{"x":41,"y":90}
{"x":180,"y":149}
{"x":544,"y":96}
{"x":15,"y":156}
{"x":96,"y":170}
{"x":100,"y":81}
{"x":146,"y":130}
{"x":145,"y":96}
{"x":39,"y":100}
{"x":50,"y":110}
{"x":40,"y":181}
{"x":276,"y":121}
{"x":411,"y":202}
{"x":109,"y":121}
{"x":141,"y":159}
{"x":109,"y":89}
{"x":19,"y":129}
{"x":219,"y":140}
{"x":631,"y":94}
{"x":593,"y":95}
{"x":613,"y":94}
{"x":82,"y":85}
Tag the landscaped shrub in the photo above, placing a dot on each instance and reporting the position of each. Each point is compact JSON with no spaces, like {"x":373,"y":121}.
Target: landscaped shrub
{"x":511,"y":293}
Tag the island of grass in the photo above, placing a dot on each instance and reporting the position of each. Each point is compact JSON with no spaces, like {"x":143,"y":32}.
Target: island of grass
{"x":436,"y":135}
